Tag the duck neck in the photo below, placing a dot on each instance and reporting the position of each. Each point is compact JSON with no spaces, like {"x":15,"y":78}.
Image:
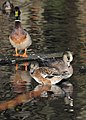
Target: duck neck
{"x":17,"y":24}
{"x":70,"y":56}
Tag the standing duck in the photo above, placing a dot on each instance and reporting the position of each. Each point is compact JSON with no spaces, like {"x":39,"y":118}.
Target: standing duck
{"x":20,"y":39}
{"x":54,"y":72}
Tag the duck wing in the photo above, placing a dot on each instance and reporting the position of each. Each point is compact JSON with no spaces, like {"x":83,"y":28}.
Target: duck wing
{"x":49,"y":72}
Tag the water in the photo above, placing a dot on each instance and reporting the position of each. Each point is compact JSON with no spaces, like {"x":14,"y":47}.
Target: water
{"x":54,"y":26}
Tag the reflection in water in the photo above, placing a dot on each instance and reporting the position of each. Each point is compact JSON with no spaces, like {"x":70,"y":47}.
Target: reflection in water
{"x":65,"y":91}
{"x":80,"y":76}
{"x":28,"y":96}
{"x":5,"y":29}
{"x":60,"y":30}
{"x":36,"y":22}
{"x":41,"y":100}
{"x":81,"y":21}
{"x":20,"y":81}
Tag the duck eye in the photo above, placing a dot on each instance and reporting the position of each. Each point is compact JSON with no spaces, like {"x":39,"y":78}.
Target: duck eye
{"x":68,"y":58}
{"x":65,"y":71}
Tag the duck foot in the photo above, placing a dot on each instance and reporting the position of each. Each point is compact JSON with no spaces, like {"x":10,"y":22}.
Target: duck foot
{"x":24,"y":55}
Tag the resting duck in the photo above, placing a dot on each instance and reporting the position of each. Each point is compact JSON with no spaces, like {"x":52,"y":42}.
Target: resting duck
{"x":63,"y":65}
{"x":20,"y":39}
{"x":52,"y":74}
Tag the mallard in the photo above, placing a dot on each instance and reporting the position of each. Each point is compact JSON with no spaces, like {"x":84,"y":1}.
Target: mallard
{"x":20,"y":39}
{"x":54,"y":73}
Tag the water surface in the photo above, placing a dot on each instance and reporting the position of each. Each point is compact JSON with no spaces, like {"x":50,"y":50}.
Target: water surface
{"x":54,"y":26}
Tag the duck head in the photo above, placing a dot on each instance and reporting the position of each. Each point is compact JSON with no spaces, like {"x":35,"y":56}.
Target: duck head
{"x":6,"y":5}
{"x":17,"y":13}
{"x":7,"y":8}
{"x":67,"y":57}
{"x":33,"y":67}
{"x":17,"y":24}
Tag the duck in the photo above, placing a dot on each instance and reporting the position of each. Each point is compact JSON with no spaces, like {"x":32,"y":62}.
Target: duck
{"x":44,"y":75}
{"x":7,"y":7}
{"x":53,"y":73}
{"x":64,"y":65}
{"x":20,"y":38}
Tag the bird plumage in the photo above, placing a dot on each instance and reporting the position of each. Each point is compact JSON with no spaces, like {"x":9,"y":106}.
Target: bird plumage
{"x":20,"y":38}
{"x":53,"y":73}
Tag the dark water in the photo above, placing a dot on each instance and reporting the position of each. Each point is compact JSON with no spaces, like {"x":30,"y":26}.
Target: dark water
{"x":54,"y":26}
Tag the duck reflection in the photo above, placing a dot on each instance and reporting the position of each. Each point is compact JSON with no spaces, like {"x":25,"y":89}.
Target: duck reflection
{"x":23,"y":98}
{"x":21,"y":79}
{"x":64,"y":91}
